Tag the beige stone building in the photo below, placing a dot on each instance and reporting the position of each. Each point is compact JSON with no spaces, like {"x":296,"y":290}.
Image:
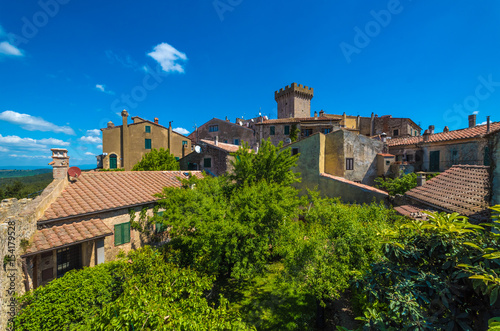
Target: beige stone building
{"x":225,"y":131}
{"x":125,"y":145}
{"x":85,"y":221}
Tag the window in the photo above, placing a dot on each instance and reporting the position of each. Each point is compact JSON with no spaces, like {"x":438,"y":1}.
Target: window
{"x":454,"y":157}
{"x":326,"y":131}
{"x":207,"y":162}
{"x":395,"y":133}
{"x":272,"y":128}
{"x":287,"y":129}
{"x":176,"y":158}
{"x":184,"y":143}
{"x":148,"y":129}
{"x":387,"y":162}
{"x":236,"y":141}
{"x":307,"y":132}
{"x":295,"y":151}
{"x":122,"y":233}
{"x":147,"y":143}
{"x":213,"y":128}
{"x":410,"y":157}
{"x":192,"y":166}
{"x":68,"y":258}
{"x":349,"y":163}
{"x":113,"y":164}
{"x":225,"y":141}
{"x":159,"y":226}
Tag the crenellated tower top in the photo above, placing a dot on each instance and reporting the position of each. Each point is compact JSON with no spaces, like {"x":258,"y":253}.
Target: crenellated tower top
{"x":294,"y":101}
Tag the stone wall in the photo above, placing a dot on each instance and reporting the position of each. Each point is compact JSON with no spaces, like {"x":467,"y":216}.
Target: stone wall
{"x":226,"y":131}
{"x":220,"y":160}
{"x":17,"y":226}
{"x":494,"y":146}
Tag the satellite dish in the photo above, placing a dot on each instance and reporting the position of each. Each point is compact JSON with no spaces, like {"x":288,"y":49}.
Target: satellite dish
{"x":240,"y":123}
{"x":74,"y":172}
{"x":197,"y":149}
{"x":288,"y":140}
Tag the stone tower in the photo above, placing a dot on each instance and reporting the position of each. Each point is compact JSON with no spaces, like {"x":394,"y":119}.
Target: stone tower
{"x":294,"y":101}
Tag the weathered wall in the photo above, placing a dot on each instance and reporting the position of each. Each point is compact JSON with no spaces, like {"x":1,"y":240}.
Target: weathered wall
{"x":294,"y":101}
{"x":227,"y":132}
{"x":221,"y":160}
{"x":471,"y":152}
{"x":349,"y":193}
{"x":495,"y":168}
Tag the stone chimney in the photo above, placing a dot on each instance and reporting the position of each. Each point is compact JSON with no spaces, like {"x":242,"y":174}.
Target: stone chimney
{"x":227,"y":119}
{"x":383,"y":136}
{"x":431,"y":129}
{"x":315,"y":114}
{"x":216,"y":140}
{"x":488,"y":124}
{"x":446,"y":129}
{"x":472,"y":120}
{"x":125,"y":142}
{"x":321,"y":113}
{"x":421,"y":178}
{"x":426,"y":135}
{"x":60,"y":163}
{"x":156,"y":120}
{"x":110,"y":124}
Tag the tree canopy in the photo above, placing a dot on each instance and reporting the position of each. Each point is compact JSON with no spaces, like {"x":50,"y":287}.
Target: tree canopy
{"x":157,"y":160}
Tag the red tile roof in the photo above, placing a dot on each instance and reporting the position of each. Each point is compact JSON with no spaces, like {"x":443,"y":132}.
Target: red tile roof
{"x":226,"y":147}
{"x":462,"y":188}
{"x":412,"y":212}
{"x":386,"y":155}
{"x":67,"y":234}
{"x":477,"y":131}
{"x":362,"y":186}
{"x":298,"y":120}
{"x":100,"y":191}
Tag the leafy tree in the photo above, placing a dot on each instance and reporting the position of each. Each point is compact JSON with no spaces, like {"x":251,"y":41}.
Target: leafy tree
{"x":227,"y":235}
{"x":270,"y":163}
{"x":294,"y":132}
{"x":157,"y":160}
{"x":398,"y":185}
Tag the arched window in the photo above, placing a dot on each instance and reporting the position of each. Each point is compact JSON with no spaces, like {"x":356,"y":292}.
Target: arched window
{"x":113,"y":161}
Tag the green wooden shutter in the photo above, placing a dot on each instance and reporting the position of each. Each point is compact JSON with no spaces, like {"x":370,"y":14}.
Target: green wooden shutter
{"x":118,"y":234}
{"x":147,"y":143}
{"x":126,"y":232}
{"x":287,"y":129}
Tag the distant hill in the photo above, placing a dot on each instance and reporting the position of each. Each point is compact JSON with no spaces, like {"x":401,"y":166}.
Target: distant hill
{"x":27,"y":186}
{"x":10,"y":173}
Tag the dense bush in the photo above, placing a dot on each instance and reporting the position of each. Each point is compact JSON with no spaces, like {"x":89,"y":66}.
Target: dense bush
{"x":157,"y":160}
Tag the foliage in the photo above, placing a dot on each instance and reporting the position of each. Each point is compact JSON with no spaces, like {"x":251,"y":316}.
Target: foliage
{"x":9,"y":173}
{"x":294,"y":132}
{"x":140,"y":291}
{"x":23,"y":187}
{"x":398,"y":185}
{"x":270,"y":163}
{"x":157,"y":160}
{"x":334,"y":245}
{"x":227,"y":233}
{"x":421,"y":284}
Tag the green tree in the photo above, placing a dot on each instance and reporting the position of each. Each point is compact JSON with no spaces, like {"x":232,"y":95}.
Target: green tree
{"x":270,"y":163}
{"x":157,"y":160}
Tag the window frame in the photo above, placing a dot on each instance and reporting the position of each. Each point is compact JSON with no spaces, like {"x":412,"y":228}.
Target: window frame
{"x":147,"y":128}
{"x":207,"y":160}
{"x":286,"y":130}
{"x":213,"y":128}
{"x":272,"y":130}
{"x":295,"y":151}
{"x":349,"y":163}
{"x":121,"y":234}
{"x":147,"y":142}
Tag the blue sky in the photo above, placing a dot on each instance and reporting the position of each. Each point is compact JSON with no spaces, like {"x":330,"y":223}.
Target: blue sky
{"x":67,"y":67}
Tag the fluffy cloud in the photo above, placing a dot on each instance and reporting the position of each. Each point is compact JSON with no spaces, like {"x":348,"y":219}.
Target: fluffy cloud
{"x":3,"y":149}
{"x":8,"y":49}
{"x":102,"y":88}
{"x":181,"y":131}
{"x":167,"y":56}
{"x":89,"y":153}
{"x":31,"y":156}
{"x":91,"y":139}
{"x":99,"y":146}
{"x":17,"y":141}
{"x":32,"y":123}
{"x":94,"y":132}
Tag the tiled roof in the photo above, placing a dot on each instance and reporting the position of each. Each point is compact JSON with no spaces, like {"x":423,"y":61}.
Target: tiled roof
{"x":99,"y":191}
{"x":412,"y":212}
{"x":66,"y":234}
{"x":474,"y":132}
{"x":462,"y":188}
{"x":362,"y":186}
{"x":298,"y":120}
{"x":226,"y":147}
{"x":386,"y":155}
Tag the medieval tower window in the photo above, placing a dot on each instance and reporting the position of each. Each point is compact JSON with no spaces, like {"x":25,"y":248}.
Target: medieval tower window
{"x":349,"y":163}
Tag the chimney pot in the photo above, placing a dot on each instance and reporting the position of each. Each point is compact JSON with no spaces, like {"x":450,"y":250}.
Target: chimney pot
{"x":488,"y":124}
{"x":446,"y":129}
{"x":321,"y":113}
{"x":216,"y":140}
{"x":315,"y":114}
{"x":156,"y":120}
{"x":426,"y":135}
{"x":110,"y":124}
{"x":472,"y":120}
{"x":421,"y":179}
{"x":60,"y":163}
{"x":431,"y":129}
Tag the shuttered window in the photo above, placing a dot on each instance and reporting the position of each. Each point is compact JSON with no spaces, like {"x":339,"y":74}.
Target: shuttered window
{"x":122,"y":233}
{"x":207,"y":163}
{"x":148,"y":129}
{"x":147,"y":143}
{"x":272,"y":131}
{"x":287,"y":129}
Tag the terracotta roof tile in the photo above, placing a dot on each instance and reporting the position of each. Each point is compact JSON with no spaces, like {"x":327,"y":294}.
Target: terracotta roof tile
{"x":100,"y":191}
{"x":66,"y":234}
{"x":226,"y":147}
{"x":474,"y":132}
{"x":463,"y":189}
{"x":362,"y":186}
{"x":412,"y":211}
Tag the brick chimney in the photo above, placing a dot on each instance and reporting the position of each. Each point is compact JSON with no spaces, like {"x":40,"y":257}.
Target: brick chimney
{"x":421,"y":178}
{"x":60,"y":163}
{"x":321,"y":113}
{"x":472,"y":120}
{"x":426,"y":135}
{"x":156,"y":120}
{"x":315,"y":114}
{"x":446,"y":129}
{"x":431,"y":129}
{"x":216,"y":140}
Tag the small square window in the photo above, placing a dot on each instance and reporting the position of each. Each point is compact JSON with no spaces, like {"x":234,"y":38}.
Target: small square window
{"x":326,"y":131}
{"x":237,"y":142}
{"x":395,"y":133}
{"x":287,"y":129}
{"x":148,"y":129}
{"x":207,"y":162}
{"x":147,"y":143}
{"x":272,"y":130}
{"x":184,"y":143}
{"x":295,"y":151}
{"x":349,"y":163}
{"x":307,"y":132}
{"x":213,"y":128}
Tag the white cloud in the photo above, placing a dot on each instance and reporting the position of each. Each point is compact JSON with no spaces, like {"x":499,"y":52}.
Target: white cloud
{"x":475,"y":112}
{"x":31,"y":156}
{"x":181,"y":131}
{"x":94,"y":132}
{"x":32,"y":123}
{"x":102,"y":88}
{"x":3,"y":149}
{"x":167,"y":56}
{"x":8,"y":49}
{"x":91,"y":139}
{"x":99,"y":146}
{"x":88,"y":153}
{"x":19,"y":142}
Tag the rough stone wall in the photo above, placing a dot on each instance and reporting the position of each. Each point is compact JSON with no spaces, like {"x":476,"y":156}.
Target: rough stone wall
{"x":17,"y":225}
{"x":221,"y":160}
{"x":349,"y":193}
{"x":388,"y":124}
{"x":264,"y":131}
{"x":227,"y":132}
{"x":471,"y":152}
